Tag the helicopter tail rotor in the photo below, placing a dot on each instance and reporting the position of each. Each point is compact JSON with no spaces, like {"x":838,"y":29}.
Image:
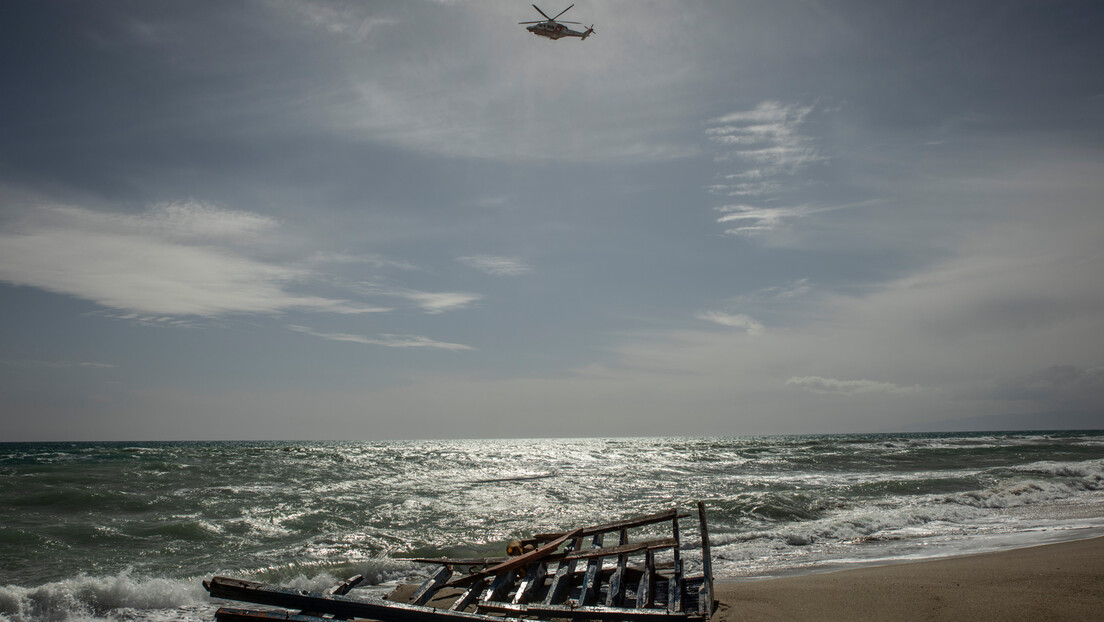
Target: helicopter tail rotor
{"x":589,"y":31}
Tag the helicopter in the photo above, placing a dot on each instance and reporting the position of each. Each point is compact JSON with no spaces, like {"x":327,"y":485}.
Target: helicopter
{"x":552,"y":29}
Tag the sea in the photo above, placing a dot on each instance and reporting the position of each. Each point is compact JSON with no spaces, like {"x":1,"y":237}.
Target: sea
{"x":128,"y":531}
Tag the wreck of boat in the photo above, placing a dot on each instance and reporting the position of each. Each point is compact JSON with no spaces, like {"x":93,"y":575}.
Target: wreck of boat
{"x":600,"y":572}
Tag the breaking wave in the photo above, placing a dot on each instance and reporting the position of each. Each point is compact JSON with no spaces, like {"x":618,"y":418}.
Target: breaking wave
{"x":129,"y":595}
{"x":1039,"y":482}
{"x":86,"y":597}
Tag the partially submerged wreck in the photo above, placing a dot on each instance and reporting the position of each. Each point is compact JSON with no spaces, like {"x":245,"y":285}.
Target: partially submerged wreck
{"x":599,"y":572}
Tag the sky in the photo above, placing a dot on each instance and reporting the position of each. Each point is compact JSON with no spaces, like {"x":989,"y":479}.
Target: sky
{"x":414,"y":219}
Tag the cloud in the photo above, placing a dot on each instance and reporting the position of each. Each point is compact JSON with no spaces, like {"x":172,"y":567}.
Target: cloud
{"x":495,"y":201}
{"x":348,"y":20}
{"x":386,"y":340}
{"x":59,"y":364}
{"x":746,"y":322}
{"x":751,"y":219}
{"x":747,"y":188}
{"x":496,"y":266}
{"x":376,"y":261}
{"x":768,"y":142}
{"x":156,"y":320}
{"x":439,"y":302}
{"x":848,"y":387}
{"x":786,"y":291}
{"x":766,"y":137}
{"x":429,"y":302}
{"x":180,"y":221}
{"x":761,"y":219}
{"x":175,"y":259}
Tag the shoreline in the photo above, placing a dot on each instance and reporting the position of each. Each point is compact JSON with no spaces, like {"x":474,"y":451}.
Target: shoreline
{"x":1057,"y":581}
{"x":994,"y":543}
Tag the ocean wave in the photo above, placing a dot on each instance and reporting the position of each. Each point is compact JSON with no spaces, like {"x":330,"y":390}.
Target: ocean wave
{"x":10,"y":536}
{"x":912,"y":485}
{"x":785,"y":506}
{"x":323,"y":574}
{"x":859,"y":524}
{"x":1054,"y":481}
{"x":1090,"y":471}
{"x":190,"y":530}
{"x":130,"y":595}
{"x":76,"y":499}
{"x":899,"y":511}
{"x":86,"y":597}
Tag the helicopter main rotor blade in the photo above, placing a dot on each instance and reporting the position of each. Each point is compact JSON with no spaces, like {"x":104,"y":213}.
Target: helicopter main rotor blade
{"x":539,"y":21}
{"x":542,"y":12}
{"x":561,"y":12}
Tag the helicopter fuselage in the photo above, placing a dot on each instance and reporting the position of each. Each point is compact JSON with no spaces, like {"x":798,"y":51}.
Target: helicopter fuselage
{"x":554,"y":31}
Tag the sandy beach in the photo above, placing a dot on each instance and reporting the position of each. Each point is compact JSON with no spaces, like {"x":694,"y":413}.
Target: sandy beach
{"x":1062,"y":581}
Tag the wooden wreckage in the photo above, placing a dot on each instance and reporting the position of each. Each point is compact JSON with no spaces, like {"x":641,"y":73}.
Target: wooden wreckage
{"x":592,"y":573}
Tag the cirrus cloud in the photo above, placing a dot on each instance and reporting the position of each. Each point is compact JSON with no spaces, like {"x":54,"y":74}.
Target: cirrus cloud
{"x":848,"y":387}
{"x":386,"y":340}
{"x":495,"y":266}
{"x":746,"y":322}
{"x":175,"y":259}
{"x":766,"y":137}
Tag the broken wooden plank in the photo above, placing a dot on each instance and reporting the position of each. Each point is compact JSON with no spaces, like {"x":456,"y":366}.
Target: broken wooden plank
{"x":470,"y":596}
{"x":609,"y":551}
{"x":534,"y":578}
{"x":586,"y":531}
{"x":674,"y":585}
{"x":616,"y":593}
{"x":516,"y":562}
{"x":585,"y":613}
{"x":660,"y":543}
{"x":454,"y":561}
{"x":633,"y":547}
{"x":705,"y":592}
{"x":340,"y":589}
{"x":431,"y":586}
{"x":233,"y":614}
{"x":348,"y":585}
{"x":589,"y":590}
{"x":628,"y":523}
{"x":339,"y":606}
{"x":498,"y":588}
{"x":561,"y":582}
{"x":644,"y":590}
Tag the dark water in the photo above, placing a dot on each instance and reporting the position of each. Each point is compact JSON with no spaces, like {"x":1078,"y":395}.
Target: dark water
{"x":127,"y":531}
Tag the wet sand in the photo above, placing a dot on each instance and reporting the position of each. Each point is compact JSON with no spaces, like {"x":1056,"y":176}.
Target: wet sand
{"x":1062,"y":581}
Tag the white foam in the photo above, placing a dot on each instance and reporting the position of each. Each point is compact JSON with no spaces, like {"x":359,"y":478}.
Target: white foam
{"x":130,"y":596}
{"x":87,"y":597}
{"x":1037,"y":499}
{"x":1059,"y":481}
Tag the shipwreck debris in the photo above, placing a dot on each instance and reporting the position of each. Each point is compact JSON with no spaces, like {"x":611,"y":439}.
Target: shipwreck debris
{"x":568,"y":575}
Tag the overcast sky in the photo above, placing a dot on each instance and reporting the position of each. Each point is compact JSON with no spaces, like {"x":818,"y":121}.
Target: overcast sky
{"x":372,"y":220}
